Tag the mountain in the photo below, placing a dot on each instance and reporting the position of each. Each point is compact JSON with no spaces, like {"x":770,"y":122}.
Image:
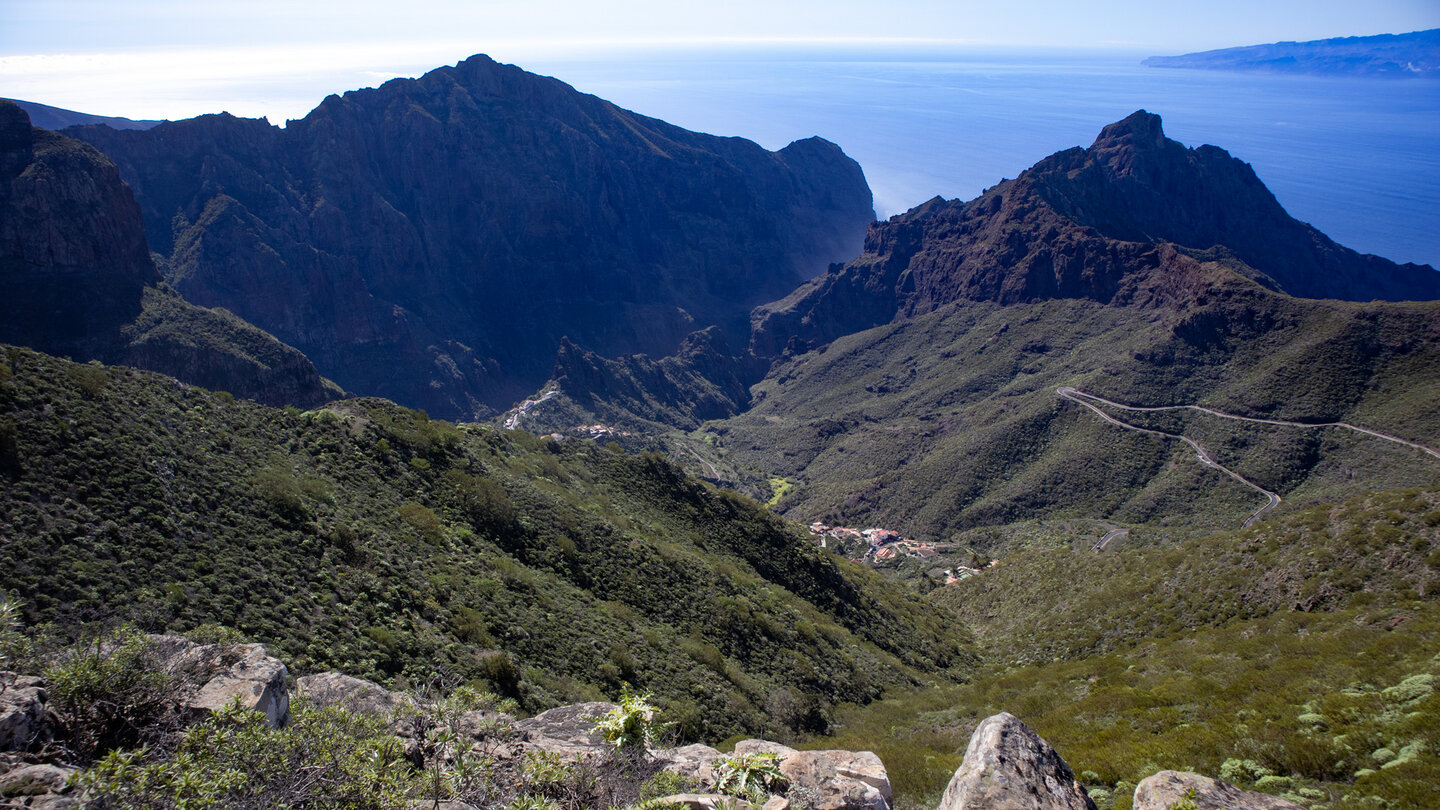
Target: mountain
{"x":916,"y":386}
{"x":368,"y":538}
{"x":1416,"y":54}
{"x":433,"y":240}
{"x":76,"y":278}
{"x":47,"y":117}
{"x":1108,"y":223}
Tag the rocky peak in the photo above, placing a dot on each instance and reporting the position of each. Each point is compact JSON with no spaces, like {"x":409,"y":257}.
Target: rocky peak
{"x":1125,"y":221}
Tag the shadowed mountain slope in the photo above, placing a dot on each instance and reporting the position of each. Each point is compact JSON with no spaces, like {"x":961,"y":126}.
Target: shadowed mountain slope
{"x":432,"y":240}
{"x":77,"y":279}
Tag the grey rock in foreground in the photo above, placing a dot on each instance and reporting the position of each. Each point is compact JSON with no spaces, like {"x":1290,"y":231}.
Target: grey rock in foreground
{"x":22,"y":711}
{"x":695,"y":762}
{"x":224,"y":672}
{"x":1008,"y":766}
{"x":839,"y":780}
{"x":354,"y":695}
{"x":568,"y":730}
{"x":1165,"y":789}
{"x":41,"y":787}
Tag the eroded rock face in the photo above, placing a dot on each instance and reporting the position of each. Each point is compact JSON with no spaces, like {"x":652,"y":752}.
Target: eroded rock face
{"x":695,"y":762}
{"x":838,"y":780}
{"x":22,"y":711}
{"x":27,"y":782}
{"x":1165,"y":789}
{"x":1008,"y":766}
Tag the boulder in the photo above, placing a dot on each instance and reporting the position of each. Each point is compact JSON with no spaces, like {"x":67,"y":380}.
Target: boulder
{"x":219,"y":673}
{"x":22,"y":711}
{"x":1007,"y":766}
{"x":351,"y":694}
{"x":837,"y":780}
{"x":37,"y":786}
{"x":568,"y":730}
{"x":707,"y":801}
{"x":763,"y":747}
{"x":695,"y":762}
{"x":33,"y":780}
{"x":1166,"y":789}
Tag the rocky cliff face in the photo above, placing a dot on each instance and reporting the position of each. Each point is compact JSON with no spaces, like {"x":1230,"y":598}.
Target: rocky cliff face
{"x":1120,"y":222}
{"x":77,"y":279}
{"x":432,"y":240}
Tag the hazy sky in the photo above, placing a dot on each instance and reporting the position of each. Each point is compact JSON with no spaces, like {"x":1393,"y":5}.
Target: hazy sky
{"x":175,"y":58}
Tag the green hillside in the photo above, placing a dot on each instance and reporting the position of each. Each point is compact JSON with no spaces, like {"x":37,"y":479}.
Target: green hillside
{"x":950,"y":421}
{"x":366,"y":538}
{"x":1299,"y":658}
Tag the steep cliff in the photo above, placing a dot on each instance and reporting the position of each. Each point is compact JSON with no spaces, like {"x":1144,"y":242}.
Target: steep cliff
{"x":76,"y":278}
{"x":432,"y":240}
{"x":1116,"y":223}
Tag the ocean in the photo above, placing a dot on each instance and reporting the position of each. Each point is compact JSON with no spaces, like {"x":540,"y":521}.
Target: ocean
{"x":1357,"y":158}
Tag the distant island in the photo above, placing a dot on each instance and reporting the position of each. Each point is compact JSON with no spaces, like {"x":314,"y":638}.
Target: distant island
{"x":1415,"y":55}
{"x":47,"y":117}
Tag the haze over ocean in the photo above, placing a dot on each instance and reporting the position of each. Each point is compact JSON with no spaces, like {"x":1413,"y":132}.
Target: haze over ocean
{"x":1357,"y":158}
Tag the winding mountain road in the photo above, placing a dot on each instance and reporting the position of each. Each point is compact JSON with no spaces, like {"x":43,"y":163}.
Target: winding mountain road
{"x":1273,"y":499}
{"x":1110,"y":535}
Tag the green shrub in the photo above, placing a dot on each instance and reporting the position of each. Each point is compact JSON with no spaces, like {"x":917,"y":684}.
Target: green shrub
{"x":323,"y":758}
{"x":108,"y":693}
{"x":632,"y":724}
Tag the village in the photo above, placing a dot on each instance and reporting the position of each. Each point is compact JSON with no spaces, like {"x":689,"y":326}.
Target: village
{"x":877,"y":546}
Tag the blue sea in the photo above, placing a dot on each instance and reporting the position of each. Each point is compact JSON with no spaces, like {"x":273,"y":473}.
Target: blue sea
{"x":1357,"y":158}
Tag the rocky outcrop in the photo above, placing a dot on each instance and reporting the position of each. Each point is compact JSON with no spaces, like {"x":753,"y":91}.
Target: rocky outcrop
{"x":213,"y":675}
{"x":1166,"y":789}
{"x":1007,"y":766}
{"x":834,"y":780}
{"x":354,"y":695}
{"x":22,"y":711}
{"x":568,"y":730}
{"x":41,"y":786}
{"x":431,"y":240}
{"x":77,"y":279}
{"x":695,"y":762}
{"x":707,"y":801}
{"x":1126,"y":221}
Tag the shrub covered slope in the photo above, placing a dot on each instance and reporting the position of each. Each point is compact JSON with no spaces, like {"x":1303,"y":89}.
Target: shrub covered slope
{"x":366,"y":538}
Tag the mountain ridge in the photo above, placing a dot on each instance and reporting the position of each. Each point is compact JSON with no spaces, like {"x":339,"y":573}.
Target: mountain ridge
{"x":456,"y":226}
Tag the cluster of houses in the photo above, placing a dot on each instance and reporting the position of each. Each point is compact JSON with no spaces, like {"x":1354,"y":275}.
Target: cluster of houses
{"x":877,"y":546}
